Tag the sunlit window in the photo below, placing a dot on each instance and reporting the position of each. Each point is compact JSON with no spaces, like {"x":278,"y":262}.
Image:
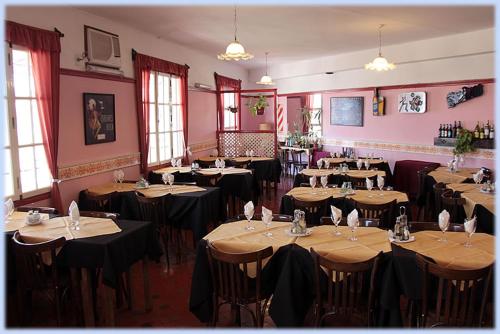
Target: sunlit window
{"x":26,"y":171}
{"x":230,"y":118}
{"x":166,"y":138}
{"x":316,"y":115}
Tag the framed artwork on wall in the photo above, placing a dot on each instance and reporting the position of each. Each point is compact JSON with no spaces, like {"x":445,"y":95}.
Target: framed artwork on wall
{"x":99,"y":118}
{"x":347,"y":111}
{"x":413,"y":102}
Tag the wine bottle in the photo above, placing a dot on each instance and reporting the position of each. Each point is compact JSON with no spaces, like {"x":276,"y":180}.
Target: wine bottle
{"x":492,"y":132}
{"x":476,"y":131}
{"x":481,"y":132}
{"x":440,"y":131}
{"x":449,"y":131}
{"x":487,"y":130}
{"x":454,"y":130}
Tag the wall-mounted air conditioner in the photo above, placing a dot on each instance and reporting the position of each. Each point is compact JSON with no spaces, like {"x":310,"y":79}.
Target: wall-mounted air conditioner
{"x":102,"y":48}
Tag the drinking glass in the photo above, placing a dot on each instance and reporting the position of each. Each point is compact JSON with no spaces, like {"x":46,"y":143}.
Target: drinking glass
{"x":367,"y":164}
{"x":359,"y":164}
{"x":249,"y":215}
{"x":443,"y":228}
{"x":267,"y":222}
{"x":380,"y":183}
{"x":171,"y":181}
{"x":469,"y":234}
{"x":353,"y":228}
{"x":336,"y":222}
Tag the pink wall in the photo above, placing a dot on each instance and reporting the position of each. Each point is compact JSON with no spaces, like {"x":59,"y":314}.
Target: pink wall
{"x":412,"y":128}
{"x":201,"y":119}
{"x":293,"y":112}
{"x":72,"y":148}
{"x":249,"y":122}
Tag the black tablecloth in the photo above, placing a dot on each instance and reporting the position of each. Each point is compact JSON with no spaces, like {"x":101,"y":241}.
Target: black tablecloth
{"x":154,"y":178}
{"x":192,"y":210}
{"x":267,"y":170}
{"x":244,"y":186}
{"x":113,"y":253}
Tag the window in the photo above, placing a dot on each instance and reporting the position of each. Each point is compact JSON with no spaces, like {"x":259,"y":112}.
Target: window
{"x":26,"y":170}
{"x":230,"y":119}
{"x":166,"y":137}
{"x":316,"y":115}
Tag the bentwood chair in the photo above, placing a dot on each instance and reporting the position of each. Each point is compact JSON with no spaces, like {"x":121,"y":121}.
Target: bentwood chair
{"x":360,"y":182}
{"x":100,"y":214}
{"x":348,"y":297}
{"x":461,"y":296}
{"x":454,"y":205}
{"x":363,"y":222}
{"x":314,"y":210}
{"x":155,"y":210}
{"x":101,"y":202}
{"x":240,"y":164}
{"x":233,"y":286}
{"x":383,"y":212}
{"x":424,"y":203}
{"x":203,"y":180}
{"x":37,"y":270}
{"x":40,"y":209}
{"x":433,"y":226}
{"x":438,"y":188}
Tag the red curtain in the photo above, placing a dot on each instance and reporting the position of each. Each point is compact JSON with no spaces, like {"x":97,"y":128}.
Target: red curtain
{"x":225,"y":83}
{"x":143,"y":65}
{"x":44,"y":49}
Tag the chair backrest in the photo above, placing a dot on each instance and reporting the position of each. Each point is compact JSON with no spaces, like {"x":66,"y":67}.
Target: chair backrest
{"x":240,"y":164}
{"x":383,"y":212}
{"x":101,"y":202}
{"x":421,"y":175}
{"x":454,"y":205}
{"x":153,"y":209}
{"x":31,"y":265}
{"x":229,"y":281}
{"x":360,"y":182}
{"x":459,"y":296}
{"x":203,"y":180}
{"x":439,"y":188}
{"x":40,"y":209}
{"x":258,"y":216}
{"x":205,"y":164}
{"x":363,"y":222}
{"x":314,"y":210}
{"x":100,"y":214}
{"x":433,"y":226}
{"x":297,"y":157}
{"x":346,"y":287}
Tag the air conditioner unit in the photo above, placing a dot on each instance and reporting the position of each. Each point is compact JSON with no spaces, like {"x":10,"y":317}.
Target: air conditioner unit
{"x":102,"y":48}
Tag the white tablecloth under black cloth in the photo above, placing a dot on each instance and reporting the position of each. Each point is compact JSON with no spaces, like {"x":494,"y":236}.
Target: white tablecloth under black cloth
{"x":192,"y":210}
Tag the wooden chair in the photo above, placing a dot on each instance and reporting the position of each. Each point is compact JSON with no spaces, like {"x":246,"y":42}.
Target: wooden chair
{"x":346,"y":299}
{"x":383,"y":212}
{"x":454,"y":205}
{"x":40,"y":209}
{"x":297,"y":163}
{"x":360,"y":182}
{"x":203,"y":180}
{"x":233,"y":285}
{"x":205,"y":164}
{"x":314,"y":210}
{"x":101,"y":202}
{"x":258,"y":216}
{"x":433,"y":226}
{"x":363,"y":222}
{"x":438,"y":188}
{"x":155,"y":210}
{"x":461,"y":296}
{"x":37,"y":272}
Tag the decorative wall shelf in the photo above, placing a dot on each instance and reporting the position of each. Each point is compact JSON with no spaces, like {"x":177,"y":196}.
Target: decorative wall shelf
{"x":477,"y":143}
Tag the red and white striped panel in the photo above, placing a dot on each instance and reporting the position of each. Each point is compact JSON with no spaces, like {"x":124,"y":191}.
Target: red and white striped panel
{"x":281,"y":119}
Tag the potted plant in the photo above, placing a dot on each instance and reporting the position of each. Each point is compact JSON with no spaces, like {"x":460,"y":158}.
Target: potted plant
{"x":463,"y":144}
{"x":232,"y":109}
{"x":258,"y":107}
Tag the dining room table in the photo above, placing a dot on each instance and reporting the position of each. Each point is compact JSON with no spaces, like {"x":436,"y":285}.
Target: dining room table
{"x":289,"y":273}
{"x":479,"y":202}
{"x":100,"y":245}
{"x":191,"y":207}
{"x":182,"y":174}
{"x":336,"y":174}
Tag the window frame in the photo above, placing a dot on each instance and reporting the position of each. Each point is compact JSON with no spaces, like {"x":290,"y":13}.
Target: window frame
{"x":315,"y":109}
{"x":169,"y":108}
{"x":228,"y":115}
{"x":12,"y":127}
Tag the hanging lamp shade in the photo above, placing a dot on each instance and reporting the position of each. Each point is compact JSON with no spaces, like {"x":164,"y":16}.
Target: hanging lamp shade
{"x":265,"y":79}
{"x":380,"y":63}
{"x":235,"y":51}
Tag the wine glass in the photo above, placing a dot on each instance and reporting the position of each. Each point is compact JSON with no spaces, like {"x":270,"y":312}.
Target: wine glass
{"x":319,"y":163}
{"x":336,"y":222}
{"x":312,"y":182}
{"x":470,"y":231}
{"x":266,"y":220}
{"x":380,"y":184}
{"x":164,"y":178}
{"x":359,"y":164}
{"x":367,"y":164}
{"x":369,"y":186}
{"x":249,"y":215}
{"x":75,"y":220}
{"x":171,"y":178}
{"x":444,"y":226}
{"x":353,"y":228}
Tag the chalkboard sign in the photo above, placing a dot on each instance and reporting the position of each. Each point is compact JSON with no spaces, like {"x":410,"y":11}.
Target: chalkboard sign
{"x":347,"y":110}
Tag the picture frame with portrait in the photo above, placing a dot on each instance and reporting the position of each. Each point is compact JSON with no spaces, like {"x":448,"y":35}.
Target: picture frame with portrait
{"x":99,"y":118}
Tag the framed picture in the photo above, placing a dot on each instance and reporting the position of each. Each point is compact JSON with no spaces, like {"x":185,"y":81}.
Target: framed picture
{"x":99,"y":118}
{"x":413,"y":102}
{"x":347,"y":110}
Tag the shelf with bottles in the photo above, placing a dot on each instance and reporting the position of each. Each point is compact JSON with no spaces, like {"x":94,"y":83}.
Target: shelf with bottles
{"x":483,"y":136}
{"x":477,"y":143}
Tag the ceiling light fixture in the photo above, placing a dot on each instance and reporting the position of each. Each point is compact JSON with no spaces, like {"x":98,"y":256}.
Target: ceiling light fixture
{"x":266,"y":79}
{"x":380,"y":63}
{"x":235,"y":51}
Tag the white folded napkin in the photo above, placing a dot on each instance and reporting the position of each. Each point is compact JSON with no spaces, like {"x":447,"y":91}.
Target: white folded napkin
{"x":173,"y":162}
{"x":171,"y":178}
{"x":336,"y":213}
{"x":324,"y":180}
{"x":217,"y":163}
{"x":8,"y":207}
{"x":120,"y":175}
{"x":164,"y":177}
{"x":215,"y":153}
{"x":470,"y":225}
{"x":380,"y":180}
{"x":319,"y":163}
{"x":179,"y":163}
{"x":444,"y":219}
{"x":327,"y":164}
{"x":367,"y":164}
{"x":312,"y":181}
{"x":352,"y":218}
{"x":359,"y":163}
{"x":248,"y":208}
{"x":478,"y":177}
{"x":369,"y":183}
{"x":222,"y":163}
{"x":267,"y":215}
{"x":73,"y":211}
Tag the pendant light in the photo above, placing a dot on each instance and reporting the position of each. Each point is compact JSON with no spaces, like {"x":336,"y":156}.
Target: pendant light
{"x":235,"y":51}
{"x":380,"y":63}
{"x":266,"y":79}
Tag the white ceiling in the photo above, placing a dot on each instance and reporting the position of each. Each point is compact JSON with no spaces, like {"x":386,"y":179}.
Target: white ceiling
{"x":297,"y":32}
